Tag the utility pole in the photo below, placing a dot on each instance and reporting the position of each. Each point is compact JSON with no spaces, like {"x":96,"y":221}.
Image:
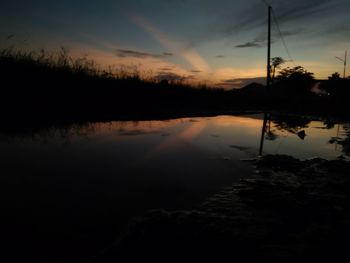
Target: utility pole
{"x":345,"y":62}
{"x":268,"y":79}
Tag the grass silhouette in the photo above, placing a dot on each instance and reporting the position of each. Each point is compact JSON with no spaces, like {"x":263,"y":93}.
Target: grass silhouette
{"x":49,"y":87}
{"x":44,"y":86}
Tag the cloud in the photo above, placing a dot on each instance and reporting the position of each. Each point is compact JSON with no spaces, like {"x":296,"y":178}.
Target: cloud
{"x":254,"y":43}
{"x":289,"y":11}
{"x":190,"y":55}
{"x":166,"y":69}
{"x":124,"y":53}
{"x":168,"y":54}
{"x":195,"y":71}
{"x":261,"y":40}
{"x":170,"y":76}
{"x":220,"y":56}
{"x":288,"y":33}
{"x":284,"y":11}
{"x":10,"y":36}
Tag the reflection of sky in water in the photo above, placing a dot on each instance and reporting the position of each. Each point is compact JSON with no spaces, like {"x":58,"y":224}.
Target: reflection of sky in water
{"x":315,"y":144}
{"x":220,"y":137}
{"x":170,"y":162}
{"x":101,"y":174}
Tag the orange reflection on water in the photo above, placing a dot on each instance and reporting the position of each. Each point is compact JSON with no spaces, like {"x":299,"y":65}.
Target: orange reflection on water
{"x":252,"y":122}
{"x":188,"y":134}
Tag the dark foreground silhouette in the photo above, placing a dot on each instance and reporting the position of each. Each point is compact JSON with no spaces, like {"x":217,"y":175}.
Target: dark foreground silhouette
{"x":294,"y":210}
{"x":291,"y":211}
{"x":41,"y":89}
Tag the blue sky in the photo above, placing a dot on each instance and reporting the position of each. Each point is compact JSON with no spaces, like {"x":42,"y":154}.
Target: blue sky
{"x":220,"y":42}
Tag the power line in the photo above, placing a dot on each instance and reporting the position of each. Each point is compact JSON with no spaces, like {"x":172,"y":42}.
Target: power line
{"x":279,"y":31}
{"x":281,"y":36}
{"x":266,"y":3}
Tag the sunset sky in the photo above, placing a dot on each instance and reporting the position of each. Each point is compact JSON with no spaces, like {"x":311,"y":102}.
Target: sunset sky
{"x":221,"y":43}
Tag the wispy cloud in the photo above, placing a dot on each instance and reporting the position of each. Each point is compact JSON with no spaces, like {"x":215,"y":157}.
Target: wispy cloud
{"x":291,"y":10}
{"x":254,"y":43}
{"x":190,"y":55}
{"x":168,"y":54}
{"x":166,"y":69}
{"x":285,"y":10}
{"x":123,"y":53}
{"x":261,"y":40}
{"x":171,"y":76}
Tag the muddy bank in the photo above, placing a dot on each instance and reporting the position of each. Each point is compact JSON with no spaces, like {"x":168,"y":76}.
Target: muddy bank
{"x":289,"y":210}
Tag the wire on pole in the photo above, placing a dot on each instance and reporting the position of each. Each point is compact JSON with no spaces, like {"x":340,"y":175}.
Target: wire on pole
{"x":281,"y":36}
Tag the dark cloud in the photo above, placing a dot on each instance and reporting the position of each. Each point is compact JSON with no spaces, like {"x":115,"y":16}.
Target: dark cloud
{"x":220,"y":56}
{"x":289,"y":14}
{"x":288,"y":33}
{"x":195,"y":71}
{"x":168,"y":54}
{"x":291,"y":10}
{"x":10,"y":36}
{"x":254,"y":43}
{"x":170,"y":76}
{"x":261,"y":40}
{"x":124,"y":53}
{"x":285,"y":11}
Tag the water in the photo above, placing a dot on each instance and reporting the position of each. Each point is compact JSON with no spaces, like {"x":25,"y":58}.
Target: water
{"x":68,"y":189}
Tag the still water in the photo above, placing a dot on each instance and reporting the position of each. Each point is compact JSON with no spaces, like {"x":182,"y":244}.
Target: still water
{"x":80,"y":184}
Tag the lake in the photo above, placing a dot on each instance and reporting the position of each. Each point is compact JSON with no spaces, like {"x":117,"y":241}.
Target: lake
{"x":68,"y":189}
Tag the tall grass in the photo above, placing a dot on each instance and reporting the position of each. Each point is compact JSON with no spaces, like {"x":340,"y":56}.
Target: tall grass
{"x":53,"y":85}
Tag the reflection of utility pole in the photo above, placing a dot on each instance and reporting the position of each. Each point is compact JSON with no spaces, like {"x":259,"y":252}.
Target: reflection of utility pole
{"x":337,"y":138}
{"x":263,"y":131}
{"x":344,"y":60}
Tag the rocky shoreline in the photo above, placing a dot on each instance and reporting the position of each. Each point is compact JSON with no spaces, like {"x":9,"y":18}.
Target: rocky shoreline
{"x":290,"y":210}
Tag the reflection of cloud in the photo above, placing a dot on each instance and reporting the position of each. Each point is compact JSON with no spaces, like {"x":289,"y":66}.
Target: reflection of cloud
{"x":193,"y":131}
{"x":250,"y":123}
{"x":136,"y":132}
{"x":188,"y":134}
{"x":123,"y":53}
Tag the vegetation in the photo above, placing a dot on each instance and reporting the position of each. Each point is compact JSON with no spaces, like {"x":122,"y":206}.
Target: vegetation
{"x":53,"y":86}
{"x":276,"y":64}
{"x":46,"y":87}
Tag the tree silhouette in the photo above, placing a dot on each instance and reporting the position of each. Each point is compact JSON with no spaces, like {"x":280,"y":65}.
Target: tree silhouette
{"x":296,"y":79}
{"x":334,"y":76}
{"x":276,"y":64}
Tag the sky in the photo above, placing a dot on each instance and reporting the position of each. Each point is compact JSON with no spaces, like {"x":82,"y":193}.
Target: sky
{"x":220,"y":43}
